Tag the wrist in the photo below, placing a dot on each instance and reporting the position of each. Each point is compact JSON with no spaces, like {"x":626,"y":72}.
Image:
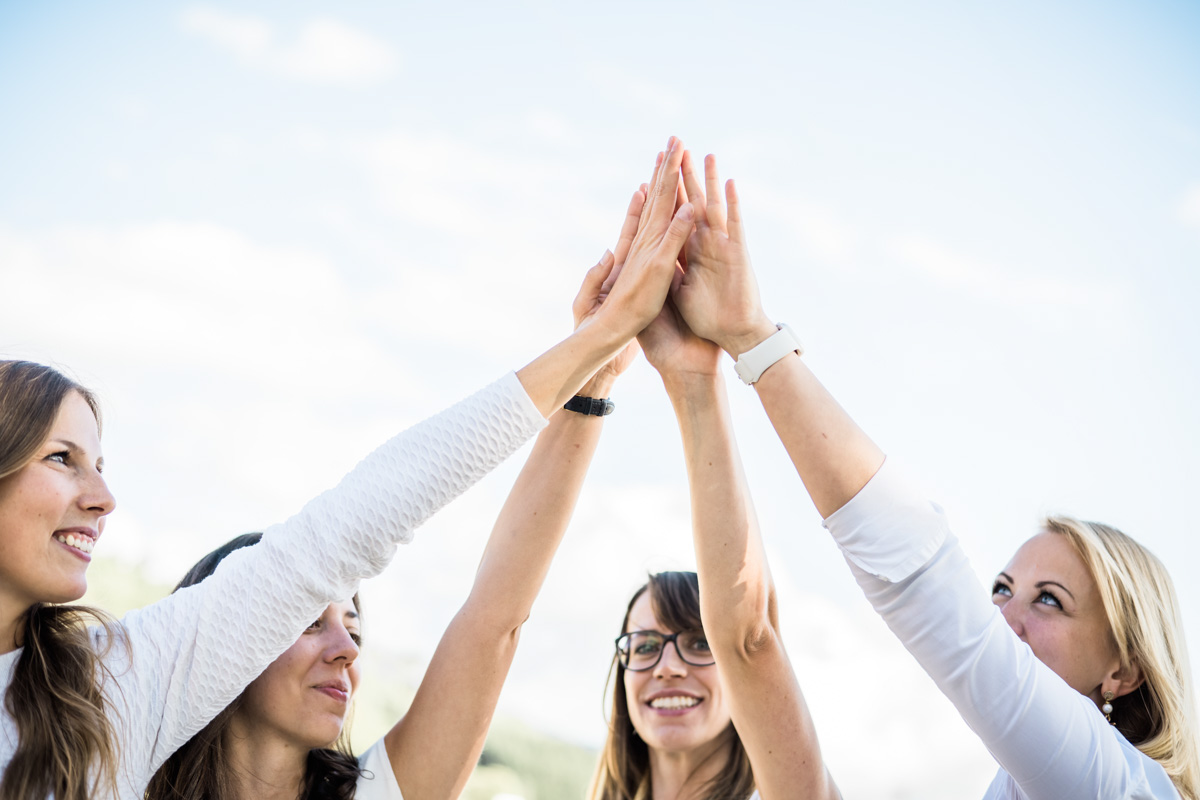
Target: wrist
{"x":681,"y":384}
{"x":600,"y":386}
{"x":749,"y":338}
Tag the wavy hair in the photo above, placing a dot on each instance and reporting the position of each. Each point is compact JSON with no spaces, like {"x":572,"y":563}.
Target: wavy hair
{"x":200,"y":770}
{"x":623,"y":772}
{"x":1159,"y":717}
{"x":66,"y":739}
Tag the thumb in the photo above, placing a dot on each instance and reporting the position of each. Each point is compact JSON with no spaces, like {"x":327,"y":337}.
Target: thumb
{"x":677,"y":234}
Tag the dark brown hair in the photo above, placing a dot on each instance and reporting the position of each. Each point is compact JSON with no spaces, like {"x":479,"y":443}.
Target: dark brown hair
{"x":200,"y":769}
{"x":65,"y":735}
{"x":624,"y":769}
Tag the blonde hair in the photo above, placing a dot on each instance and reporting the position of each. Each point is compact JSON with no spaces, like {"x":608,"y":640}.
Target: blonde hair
{"x":1159,"y":717}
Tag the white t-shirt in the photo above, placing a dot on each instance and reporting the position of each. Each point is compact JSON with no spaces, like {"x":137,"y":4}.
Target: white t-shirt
{"x":192,"y":653}
{"x":1052,"y":743}
{"x":378,"y":782}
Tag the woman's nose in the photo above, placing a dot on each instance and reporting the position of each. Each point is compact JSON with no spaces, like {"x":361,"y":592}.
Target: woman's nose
{"x":670,"y":665}
{"x":341,"y":646}
{"x":96,"y":497}
{"x":1014,"y":615}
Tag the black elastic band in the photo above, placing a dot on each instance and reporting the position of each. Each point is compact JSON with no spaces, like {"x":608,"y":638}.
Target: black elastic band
{"x":593,"y":406}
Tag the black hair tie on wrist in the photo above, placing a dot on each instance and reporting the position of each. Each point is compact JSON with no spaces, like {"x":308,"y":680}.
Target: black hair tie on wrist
{"x":590,"y":406}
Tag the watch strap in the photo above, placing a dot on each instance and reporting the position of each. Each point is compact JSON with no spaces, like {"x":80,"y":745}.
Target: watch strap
{"x":754,"y":362}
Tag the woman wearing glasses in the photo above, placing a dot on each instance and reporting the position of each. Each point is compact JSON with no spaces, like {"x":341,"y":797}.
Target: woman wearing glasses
{"x":710,"y":712}
{"x":1074,"y":674}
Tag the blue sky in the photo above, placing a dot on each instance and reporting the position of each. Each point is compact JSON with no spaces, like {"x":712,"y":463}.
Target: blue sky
{"x":270,"y":234}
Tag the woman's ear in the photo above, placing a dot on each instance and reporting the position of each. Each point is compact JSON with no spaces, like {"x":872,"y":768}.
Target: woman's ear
{"x":1123,"y":680}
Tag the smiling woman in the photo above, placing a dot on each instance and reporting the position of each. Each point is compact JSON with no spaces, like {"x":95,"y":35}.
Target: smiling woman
{"x":668,"y":711}
{"x":53,"y":502}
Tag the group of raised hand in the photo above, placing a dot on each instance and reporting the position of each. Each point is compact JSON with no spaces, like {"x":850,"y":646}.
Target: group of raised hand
{"x":239,"y":684}
{"x":680,"y":269}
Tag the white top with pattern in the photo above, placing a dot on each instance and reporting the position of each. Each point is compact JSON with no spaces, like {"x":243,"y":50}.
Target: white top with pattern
{"x":1052,"y":743}
{"x":193,"y":652}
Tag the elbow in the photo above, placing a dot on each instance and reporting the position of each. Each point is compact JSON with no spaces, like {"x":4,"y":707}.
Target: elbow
{"x":749,"y":637}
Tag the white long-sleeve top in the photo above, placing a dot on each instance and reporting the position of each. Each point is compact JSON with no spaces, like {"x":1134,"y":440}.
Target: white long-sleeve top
{"x":1052,"y":742}
{"x":192,"y":653}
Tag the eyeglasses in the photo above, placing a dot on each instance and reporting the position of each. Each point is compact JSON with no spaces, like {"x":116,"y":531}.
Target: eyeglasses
{"x":642,"y":650}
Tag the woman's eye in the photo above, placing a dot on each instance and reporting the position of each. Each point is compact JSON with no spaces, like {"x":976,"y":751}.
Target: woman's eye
{"x":61,"y":457}
{"x":1001,"y":589}
{"x":315,"y":624}
{"x":700,"y":645}
{"x":357,"y":639}
{"x":1048,"y":599}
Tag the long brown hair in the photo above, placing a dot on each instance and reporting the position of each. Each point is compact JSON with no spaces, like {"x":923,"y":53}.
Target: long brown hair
{"x":623,"y":772}
{"x":200,"y":770}
{"x":66,"y":738}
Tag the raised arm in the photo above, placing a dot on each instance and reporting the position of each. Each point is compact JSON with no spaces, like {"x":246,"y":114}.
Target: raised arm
{"x":737,"y":595}
{"x":719,"y":298}
{"x":1049,"y":738}
{"x":435,"y":746}
{"x":631,"y":298}
{"x":195,"y":651}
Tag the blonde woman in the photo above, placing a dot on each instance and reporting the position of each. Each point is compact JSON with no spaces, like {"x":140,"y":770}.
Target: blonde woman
{"x":1074,"y":674}
{"x":93,"y":712}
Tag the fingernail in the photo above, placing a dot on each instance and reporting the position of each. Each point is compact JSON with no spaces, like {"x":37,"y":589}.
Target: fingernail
{"x":606,"y":259}
{"x":686,"y":212}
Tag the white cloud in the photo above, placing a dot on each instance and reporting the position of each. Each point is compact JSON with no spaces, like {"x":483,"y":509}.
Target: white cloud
{"x":953,"y":270}
{"x":1189,"y":207}
{"x":324,"y":52}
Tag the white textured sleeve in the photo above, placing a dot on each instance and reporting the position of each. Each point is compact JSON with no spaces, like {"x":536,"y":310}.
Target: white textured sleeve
{"x":1050,"y":739}
{"x":194,"y":652}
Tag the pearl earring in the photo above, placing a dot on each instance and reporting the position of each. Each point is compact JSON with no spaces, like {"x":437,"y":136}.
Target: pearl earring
{"x":1107,"y":708}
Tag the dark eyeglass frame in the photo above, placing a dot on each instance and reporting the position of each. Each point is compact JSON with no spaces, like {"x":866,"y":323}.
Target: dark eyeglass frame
{"x":667,"y":638}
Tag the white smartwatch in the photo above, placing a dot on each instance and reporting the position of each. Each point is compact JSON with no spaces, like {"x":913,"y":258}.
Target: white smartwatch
{"x":754,"y":362}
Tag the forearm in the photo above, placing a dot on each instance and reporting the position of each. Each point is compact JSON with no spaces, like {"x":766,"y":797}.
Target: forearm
{"x":555,"y":376}
{"x":536,"y":514}
{"x":833,"y":456}
{"x":434,"y":748}
{"x":737,"y":598}
{"x":738,"y":606}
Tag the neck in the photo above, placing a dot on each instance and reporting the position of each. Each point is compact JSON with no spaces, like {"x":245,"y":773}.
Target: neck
{"x":683,"y":774}
{"x":12,"y":624}
{"x":263,"y":766}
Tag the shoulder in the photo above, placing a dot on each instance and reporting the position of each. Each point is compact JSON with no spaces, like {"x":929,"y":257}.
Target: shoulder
{"x":377,"y":781}
{"x":1146,"y":775}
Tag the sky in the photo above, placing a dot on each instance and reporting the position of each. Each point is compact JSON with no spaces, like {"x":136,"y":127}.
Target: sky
{"x":270,"y":235}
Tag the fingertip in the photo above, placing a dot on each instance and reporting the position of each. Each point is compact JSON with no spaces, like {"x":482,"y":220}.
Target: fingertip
{"x":686,"y":212}
{"x":606,"y":260}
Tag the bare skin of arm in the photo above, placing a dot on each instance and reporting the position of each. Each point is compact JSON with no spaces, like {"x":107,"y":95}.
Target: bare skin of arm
{"x":631,"y":297}
{"x":435,"y":747}
{"x":719,"y":299}
{"x":737,"y":595}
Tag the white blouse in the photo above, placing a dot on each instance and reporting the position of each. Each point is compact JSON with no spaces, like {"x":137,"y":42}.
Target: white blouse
{"x":1052,"y":742}
{"x":193,"y":652}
